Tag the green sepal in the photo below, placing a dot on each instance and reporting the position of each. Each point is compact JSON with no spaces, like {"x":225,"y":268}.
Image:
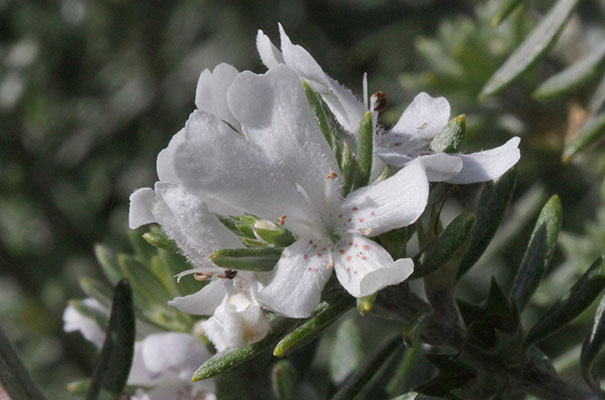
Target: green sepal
{"x":592,"y":130}
{"x":573,"y":77}
{"x":449,"y":138}
{"x":284,"y":379}
{"x":228,"y":359}
{"x":323,"y":316}
{"x":538,"y":254}
{"x":346,"y":353}
{"x":78,"y":387}
{"x":452,"y":374}
{"x":591,"y":346}
{"x":161,"y":241}
{"x":395,"y":242}
{"x":365,"y":303}
{"x":365,"y":150}
{"x":349,"y":168}
{"x":114,"y":361}
{"x":505,"y":8}
{"x":109,"y":264}
{"x":143,"y":250}
{"x":15,"y":380}
{"x":533,"y":48}
{"x":368,"y":369}
{"x":278,"y":237}
{"x":490,"y":210}
{"x":247,"y":259}
{"x":438,"y":252}
{"x":571,"y":304}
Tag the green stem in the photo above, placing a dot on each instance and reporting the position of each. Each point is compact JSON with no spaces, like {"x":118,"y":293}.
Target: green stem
{"x":397,"y":382}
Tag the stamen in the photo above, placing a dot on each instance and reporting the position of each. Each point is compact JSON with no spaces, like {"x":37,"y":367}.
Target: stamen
{"x":331,"y":262}
{"x":282,"y":220}
{"x":202,"y":276}
{"x":365,"y":90}
{"x":378,"y":101}
{"x":365,"y":231}
{"x":423,"y":126}
{"x":332,"y":175}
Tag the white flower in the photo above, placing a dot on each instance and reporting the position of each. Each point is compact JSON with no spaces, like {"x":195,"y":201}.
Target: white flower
{"x":421,"y":121}
{"x":162,"y":362}
{"x":283,"y":170}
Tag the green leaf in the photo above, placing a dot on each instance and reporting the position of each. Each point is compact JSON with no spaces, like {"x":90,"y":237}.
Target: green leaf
{"x":591,"y":346}
{"x":533,"y":48}
{"x":407,"y":396}
{"x":403,"y":369}
{"x":143,"y":250}
{"x":452,"y":374}
{"x":161,"y":241}
{"x":148,"y":290}
{"x":349,"y":168}
{"x":505,"y":8}
{"x":366,"y":371}
{"x":573,"y":77}
{"x":278,"y":237}
{"x":324,"y":314}
{"x":449,"y":138}
{"x":365,"y":150}
{"x":490,"y":210}
{"x":284,"y":378}
{"x":248,"y":259}
{"x":568,"y":307}
{"x":538,"y":254}
{"x":438,"y":252}
{"x":597,"y":101}
{"x":109,"y":263}
{"x":346,"y":353}
{"x":395,"y":242}
{"x":228,"y":359}
{"x":97,"y":290}
{"x":365,"y":303}
{"x":592,"y":130}
{"x":14,"y":377}
{"x":114,"y":362}
{"x":79,"y":387}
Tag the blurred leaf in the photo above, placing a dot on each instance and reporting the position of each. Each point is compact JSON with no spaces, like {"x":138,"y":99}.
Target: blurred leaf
{"x":285,"y":380}
{"x":114,"y":362}
{"x":591,"y":346}
{"x":441,"y":249}
{"x":162,"y":241}
{"x":228,"y":359}
{"x":368,"y":369}
{"x":346,"y":353}
{"x":247,"y":259}
{"x":143,"y":250}
{"x":364,"y":150}
{"x":490,"y":210}
{"x":79,"y":387}
{"x":449,"y":138}
{"x":571,"y":304}
{"x":147,"y":288}
{"x":452,"y":374}
{"x":532,"y":49}
{"x":109,"y":263}
{"x":597,"y":101}
{"x":323,"y":316}
{"x":578,"y":74}
{"x":14,"y":377}
{"x":100,"y":317}
{"x":395,"y":242}
{"x":505,"y":7}
{"x":96,"y":290}
{"x":538,"y":254}
{"x":592,"y":130}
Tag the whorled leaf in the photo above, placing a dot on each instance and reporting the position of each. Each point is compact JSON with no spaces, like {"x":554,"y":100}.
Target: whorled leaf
{"x":449,"y":138}
{"x":592,"y":130}
{"x":161,"y":241}
{"x":538,"y":254}
{"x":591,"y":346}
{"x":284,"y":379}
{"x":109,"y":263}
{"x":505,"y":8}
{"x":365,"y":146}
{"x":346,"y":354}
{"x":533,"y":48}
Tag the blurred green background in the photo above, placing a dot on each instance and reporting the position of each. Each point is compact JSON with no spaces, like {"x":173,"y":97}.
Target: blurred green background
{"x":91,"y":91}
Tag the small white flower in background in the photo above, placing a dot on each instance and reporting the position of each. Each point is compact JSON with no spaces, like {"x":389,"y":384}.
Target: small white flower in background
{"x":162,"y":362}
{"x":283,"y":170}
{"x":409,"y":139}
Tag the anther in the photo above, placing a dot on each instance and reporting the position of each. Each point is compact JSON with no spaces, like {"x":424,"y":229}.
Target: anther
{"x":331,"y":175}
{"x":378,"y":101}
{"x":282,"y":220}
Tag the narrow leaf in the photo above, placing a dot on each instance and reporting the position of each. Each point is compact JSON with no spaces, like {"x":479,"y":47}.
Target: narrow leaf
{"x":284,"y":378}
{"x":161,"y":241}
{"x":490,"y":210}
{"x":364,"y":150}
{"x":249,"y":259}
{"x":349,"y":169}
{"x":278,"y":237}
{"x":114,"y":362}
{"x":532,"y":49}
{"x":109,"y":263}
{"x":147,"y":288}
{"x":346,"y":354}
{"x":568,"y":307}
{"x":325,"y":313}
{"x":441,"y":249}
{"x":538,"y":254}
{"x":142,"y":249}
{"x":505,"y":8}
{"x":589,"y":133}
{"x":226,"y":360}
{"x":572,"y":77}
{"x":14,"y":377}
{"x":591,"y":346}
{"x":597,"y":101}
{"x":96,"y":290}
{"x":449,"y":138}
{"x":367,"y":370}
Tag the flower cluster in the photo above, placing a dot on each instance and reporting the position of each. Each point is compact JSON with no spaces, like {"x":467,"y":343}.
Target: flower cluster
{"x":254,"y":147}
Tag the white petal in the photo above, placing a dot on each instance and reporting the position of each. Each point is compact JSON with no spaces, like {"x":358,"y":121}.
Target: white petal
{"x":298,"y":58}
{"x":441,"y":166}
{"x":165,"y":160}
{"x":74,"y":321}
{"x":237,"y":321}
{"x":489,"y":164}
{"x":173,"y":352}
{"x":393,"y":203}
{"x":393,"y":158}
{"x":299,"y":278}
{"x":425,"y":117}
{"x":269,"y":54}
{"x":364,"y":267}
{"x":142,"y":202}
{"x":203,"y":302}
{"x":211,"y":92}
